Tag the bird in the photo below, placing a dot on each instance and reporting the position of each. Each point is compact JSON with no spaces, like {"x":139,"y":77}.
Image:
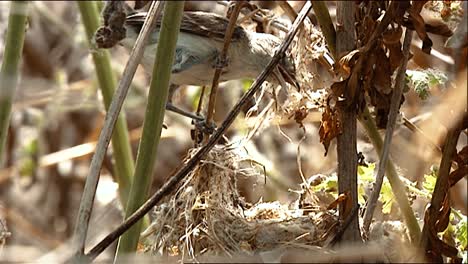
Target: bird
{"x":199,"y":44}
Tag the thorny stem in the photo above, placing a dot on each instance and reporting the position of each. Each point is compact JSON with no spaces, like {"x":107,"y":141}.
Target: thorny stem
{"x":221,"y":60}
{"x":394,"y":107}
{"x":87,"y":200}
{"x":190,"y":164}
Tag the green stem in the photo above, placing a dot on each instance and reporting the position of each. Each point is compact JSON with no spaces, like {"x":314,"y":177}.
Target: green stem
{"x":326,"y":24}
{"x":153,"y":122}
{"x":398,"y":187}
{"x":124,"y":165}
{"x":11,"y":59}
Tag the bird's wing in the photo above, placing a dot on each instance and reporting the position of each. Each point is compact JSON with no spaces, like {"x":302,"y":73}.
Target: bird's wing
{"x":185,"y":58}
{"x":199,"y":23}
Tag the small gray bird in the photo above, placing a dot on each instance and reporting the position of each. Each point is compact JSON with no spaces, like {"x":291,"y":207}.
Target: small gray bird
{"x":201,"y":40}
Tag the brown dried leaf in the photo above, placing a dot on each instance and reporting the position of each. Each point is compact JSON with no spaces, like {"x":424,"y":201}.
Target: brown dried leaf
{"x":340,"y":200}
{"x":382,"y":73}
{"x":329,"y":127}
{"x":462,"y":157}
{"x":338,"y":88}
{"x":458,"y":174}
{"x":347,"y":62}
{"x":395,"y":55}
{"x":392,"y":36}
{"x":420,"y":25}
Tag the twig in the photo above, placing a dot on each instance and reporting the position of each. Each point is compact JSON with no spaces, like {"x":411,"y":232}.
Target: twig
{"x":255,"y":16}
{"x":442,"y":184}
{"x":414,"y":128}
{"x":190,"y":164}
{"x":222,"y":60}
{"x":87,"y":200}
{"x":288,"y":10}
{"x":394,"y":108}
{"x":124,"y":163}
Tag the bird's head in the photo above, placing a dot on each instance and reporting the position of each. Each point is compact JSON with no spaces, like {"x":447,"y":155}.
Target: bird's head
{"x":266,"y":45}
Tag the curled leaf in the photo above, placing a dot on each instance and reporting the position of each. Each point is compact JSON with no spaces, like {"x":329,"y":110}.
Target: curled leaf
{"x":329,"y":127}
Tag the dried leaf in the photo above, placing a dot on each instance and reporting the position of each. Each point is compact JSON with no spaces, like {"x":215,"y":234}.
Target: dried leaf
{"x":340,"y":200}
{"x":419,"y":25}
{"x":382,"y":73}
{"x":347,"y":62}
{"x":458,"y":174}
{"x":392,"y":36}
{"x":329,"y":127}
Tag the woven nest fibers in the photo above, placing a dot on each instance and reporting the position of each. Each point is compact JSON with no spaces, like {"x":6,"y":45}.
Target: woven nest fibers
{"x":207,"y":216}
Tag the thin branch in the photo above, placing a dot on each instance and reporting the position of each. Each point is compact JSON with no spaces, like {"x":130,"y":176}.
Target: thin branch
{"x":258,"y":18}
{"x":87,"y":200}
{"x":442,"y":184}
{"x":288,"y":10}
{"x":222,"y":59}
{"x":124,"y":163}
{"x":394,"y":108}
{"x":414,"y":128}
{"x":190,"y":164}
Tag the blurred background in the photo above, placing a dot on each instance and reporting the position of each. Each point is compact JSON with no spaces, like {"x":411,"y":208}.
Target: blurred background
{"x":58,"y":113}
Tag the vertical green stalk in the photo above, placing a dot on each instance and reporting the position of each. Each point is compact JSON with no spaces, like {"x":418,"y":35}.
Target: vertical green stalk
{"x":11,"y":59}
{"x":153,"y":122}
{"x":124,"y":164}
{"x":326,"y":24}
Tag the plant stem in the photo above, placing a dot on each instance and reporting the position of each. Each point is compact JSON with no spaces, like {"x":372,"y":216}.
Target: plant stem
{"x":398,"y":187}
{"x":87,"y":199}
{"x":367,"y":121}
{"x":326,"y":24}
{"x":11,"y":58}
{"x":154,"y":117}
{"x":392,"y":116}
{"x":347,"y":140}
{"x":123,"y":164}
{"x":222,"y":58}
{"x":442,"y":185}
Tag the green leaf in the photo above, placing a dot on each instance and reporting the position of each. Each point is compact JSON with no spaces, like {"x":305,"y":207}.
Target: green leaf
{"x":423,"y":81}
{"x":429,"y":182}
{"x":461,"y":236}
{"x":246,"y":83}
{"x":366,"y":174}
{"x":386,"y":197}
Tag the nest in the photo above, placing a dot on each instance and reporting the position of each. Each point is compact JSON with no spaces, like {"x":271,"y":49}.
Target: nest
{"x":207,"y":216}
